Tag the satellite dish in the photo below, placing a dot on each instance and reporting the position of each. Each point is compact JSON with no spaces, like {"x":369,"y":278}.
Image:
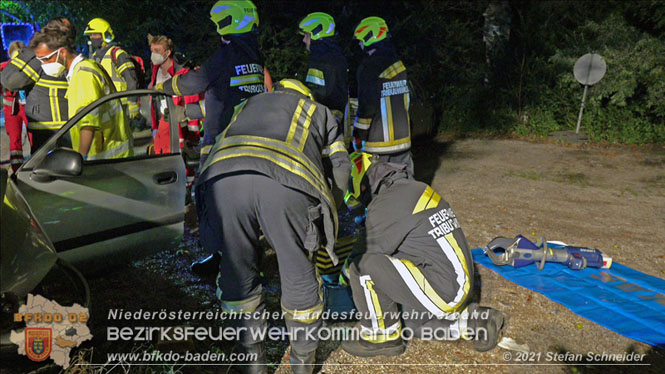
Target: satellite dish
{"x":590,"y":69}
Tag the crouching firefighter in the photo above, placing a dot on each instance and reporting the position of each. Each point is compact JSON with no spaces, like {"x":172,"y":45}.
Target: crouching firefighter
{"x":265,"y":172}
{"x":415,"y":255}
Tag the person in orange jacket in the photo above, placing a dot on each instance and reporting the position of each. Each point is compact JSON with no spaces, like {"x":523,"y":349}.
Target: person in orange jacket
{"x":14,"y":114}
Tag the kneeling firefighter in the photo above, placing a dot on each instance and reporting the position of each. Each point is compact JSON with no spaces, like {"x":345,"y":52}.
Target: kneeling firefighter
{"x":265,"y":172}
{"x":415,"y":255}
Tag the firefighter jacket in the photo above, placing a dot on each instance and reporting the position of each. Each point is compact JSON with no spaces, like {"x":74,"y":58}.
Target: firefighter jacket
{"x":193,"y":103}
{"x":326,"y":76}
{"x":112,"y":136}
{"x":282,"y":135}
{"x":233,"y":74}
{"x":382,"y":119}
{"x":46,"y":106}
{"x":407,"y":219}
{"x":120,"y":68}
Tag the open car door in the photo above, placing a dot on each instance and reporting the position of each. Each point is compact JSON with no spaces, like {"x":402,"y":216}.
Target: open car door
{"x":114,"y":208}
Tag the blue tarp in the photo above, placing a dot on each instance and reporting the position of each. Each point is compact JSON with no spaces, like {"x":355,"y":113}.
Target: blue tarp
{"x":621,"y":299}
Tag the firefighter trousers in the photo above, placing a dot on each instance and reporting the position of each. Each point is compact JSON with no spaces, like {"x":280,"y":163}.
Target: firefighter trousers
{"x":234,"y":210}
{"x":391,"y":294}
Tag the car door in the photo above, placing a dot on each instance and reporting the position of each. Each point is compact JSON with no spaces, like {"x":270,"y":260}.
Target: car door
{"x":116,"y":208}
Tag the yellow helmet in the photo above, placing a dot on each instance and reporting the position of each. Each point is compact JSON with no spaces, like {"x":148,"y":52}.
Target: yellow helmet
{"x":371,"y":30}
{"x":295,"y":85}
{"x":358,"y":184}
{"x":234,"y":16}
{"x":100,"y":26}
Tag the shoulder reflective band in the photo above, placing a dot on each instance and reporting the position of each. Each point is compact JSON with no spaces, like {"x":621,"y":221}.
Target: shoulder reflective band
{"x":393,"y":70}
{"x":315,"y":76}
{"x":428,"y":200}
{"x":27,"y":69}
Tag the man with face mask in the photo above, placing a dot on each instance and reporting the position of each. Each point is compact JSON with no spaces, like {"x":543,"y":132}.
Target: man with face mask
{"x":114,"y":60}
{"x":46,"y":105}
{"x":104,"y":133}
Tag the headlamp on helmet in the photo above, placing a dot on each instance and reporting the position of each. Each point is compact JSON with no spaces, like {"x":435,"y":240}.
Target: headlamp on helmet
{"x":371,"y":30}
{"x":234,"y":16}
{"x":318,"y":25}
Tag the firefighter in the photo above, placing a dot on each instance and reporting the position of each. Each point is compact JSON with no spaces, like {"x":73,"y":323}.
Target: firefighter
{"x":326,"y":68}
{"x":14,"y":114}
{"x":382,"y":124}
{"x":233,"y":74}
{"x":414,"y":254}
{"x":46,"y":105}
{"x":265,"y":172}
{"x":117,"y":63}
{"x":104,"y":133}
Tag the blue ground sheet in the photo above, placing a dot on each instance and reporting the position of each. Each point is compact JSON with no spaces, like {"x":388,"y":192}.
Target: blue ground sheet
{"x":621,"y":299}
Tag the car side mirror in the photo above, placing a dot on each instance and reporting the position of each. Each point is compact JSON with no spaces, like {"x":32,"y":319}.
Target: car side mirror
{"x":60,"y":162}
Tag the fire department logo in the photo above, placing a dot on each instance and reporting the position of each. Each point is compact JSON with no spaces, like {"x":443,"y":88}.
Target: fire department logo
{"x":38,"y":343}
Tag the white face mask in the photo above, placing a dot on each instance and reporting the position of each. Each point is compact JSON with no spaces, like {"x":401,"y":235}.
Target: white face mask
{"x":54,"y":69}
{"x":157,"y":59}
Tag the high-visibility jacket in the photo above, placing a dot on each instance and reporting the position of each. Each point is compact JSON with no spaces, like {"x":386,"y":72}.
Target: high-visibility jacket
{"x":382,"y":119}
{"x":46,"y":106}
{"x":282,"y":135}
{"x":112,"y":136}
{"x":233,"y":74}
{"x":121,"y":71}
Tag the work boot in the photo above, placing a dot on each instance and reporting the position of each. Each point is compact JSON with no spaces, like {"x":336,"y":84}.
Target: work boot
{"x":302,"y":363}
{"x":208,"y":267}
{"x":258,"y":366}
{"x":487,"y":319}
{"x":363,"y":348}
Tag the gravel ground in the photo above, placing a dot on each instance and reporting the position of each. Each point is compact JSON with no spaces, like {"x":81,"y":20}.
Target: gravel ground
{"x":607,"y":197}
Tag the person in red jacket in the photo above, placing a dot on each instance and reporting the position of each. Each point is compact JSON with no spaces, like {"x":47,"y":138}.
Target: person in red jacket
{"x":164,"y":67}
{"x":14,"y":114}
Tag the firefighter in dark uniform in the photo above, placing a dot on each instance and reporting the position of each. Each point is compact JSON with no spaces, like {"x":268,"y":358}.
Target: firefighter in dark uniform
{"x":327,"y":67}
{"x":265,"y":172}
{"x":233,"y":74}
{"x":382,"y":124}
{"x":46,"y":105}
{"x":415,"y":255}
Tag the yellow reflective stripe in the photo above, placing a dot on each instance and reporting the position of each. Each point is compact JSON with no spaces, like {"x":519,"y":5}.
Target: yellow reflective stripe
{"x":428,"y":200}
{"x":205,"y":150}
{"x":421,"y":288}
{"x":308,"y":316}
{"x":372,"y":300}
{"x":203,"y":107}
{"x":397,"y":145}
{"x":285,"y":149}
{"x":337,"y":146}
{"x":174,"y":85}
{"x":393,"y":70}
{"x":53,"y":102}
{"x":278,"y":160}
{"x":305,"y":130}
{"x":27,"y":69}
{"x":391,"y":125}
{"x":377,"y":337}
{"x":315,"y":76}
{"x":362,"y":123}
{"x":294,"y":121}
{"x":450,"y":238}
{"x":125,"y":66}
{"x":47,"y":125}
{"x":52,"y":84}
{"x":241,"y":306}
{"x":246,"y":79}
